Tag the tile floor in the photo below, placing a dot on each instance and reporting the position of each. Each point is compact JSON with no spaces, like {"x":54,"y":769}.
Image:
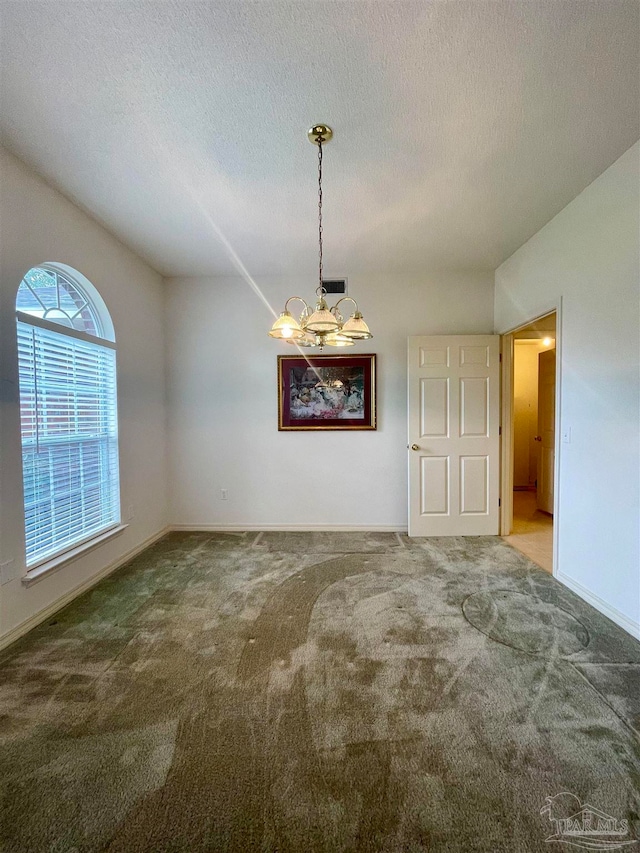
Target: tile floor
{"x":532,"y":532}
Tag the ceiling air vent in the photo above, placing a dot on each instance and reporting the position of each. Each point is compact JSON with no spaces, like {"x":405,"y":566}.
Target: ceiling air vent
{"x":335,"y":285}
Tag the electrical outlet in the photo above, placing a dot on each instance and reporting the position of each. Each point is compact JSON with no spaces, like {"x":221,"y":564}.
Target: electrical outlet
{"x":131,"y":512}
{"x":224,"y":494}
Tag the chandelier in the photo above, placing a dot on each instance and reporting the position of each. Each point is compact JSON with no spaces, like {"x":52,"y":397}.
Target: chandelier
{"x":321,"y":326}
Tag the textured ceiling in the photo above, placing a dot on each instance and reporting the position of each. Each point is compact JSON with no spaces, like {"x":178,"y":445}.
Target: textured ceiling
{"x":460,"y":127}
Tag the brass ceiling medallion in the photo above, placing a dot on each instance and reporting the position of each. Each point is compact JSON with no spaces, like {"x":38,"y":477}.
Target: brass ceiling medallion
{"x":319,"y":134}
{"x":321,"y":326}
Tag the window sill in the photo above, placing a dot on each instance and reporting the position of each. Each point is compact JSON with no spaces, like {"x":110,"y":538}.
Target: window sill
{"x":44,"y":569}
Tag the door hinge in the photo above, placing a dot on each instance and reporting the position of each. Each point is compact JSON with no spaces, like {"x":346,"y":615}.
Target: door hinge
{"x":499,"y":501}
{"x":500,"y":356}
{"x":499,"y":430}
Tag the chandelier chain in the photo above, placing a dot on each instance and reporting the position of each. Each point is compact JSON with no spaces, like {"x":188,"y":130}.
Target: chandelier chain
{"x":321,"y":289}
{"x":319,"y":326}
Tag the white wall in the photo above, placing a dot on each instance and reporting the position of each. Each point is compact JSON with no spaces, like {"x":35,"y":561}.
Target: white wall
{"x":222,"y":394}
{"x":588,"y":256}
{"x":38,"y":225}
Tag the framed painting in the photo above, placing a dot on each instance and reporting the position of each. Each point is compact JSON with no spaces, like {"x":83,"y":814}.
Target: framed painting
{"x":327,"y":392}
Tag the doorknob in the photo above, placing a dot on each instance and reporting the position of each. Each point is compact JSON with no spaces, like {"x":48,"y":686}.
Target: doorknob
{"x":537,"y":438}
{"x":415,"y":447}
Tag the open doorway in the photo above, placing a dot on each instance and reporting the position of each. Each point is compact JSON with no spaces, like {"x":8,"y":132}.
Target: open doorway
{"x":529,"y":451}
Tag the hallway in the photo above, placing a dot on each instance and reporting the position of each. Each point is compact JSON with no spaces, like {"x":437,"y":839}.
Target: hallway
{"x":532,"y":530}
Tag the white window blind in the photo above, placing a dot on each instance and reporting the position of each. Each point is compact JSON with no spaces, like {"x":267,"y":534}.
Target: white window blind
{"x":69,"y":440}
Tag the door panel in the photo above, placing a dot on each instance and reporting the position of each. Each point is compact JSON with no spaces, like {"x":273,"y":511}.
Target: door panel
{"x":434,"y":481}
{"x":474,"y":407}
{"x":434,"y":407}
{"x":434,"y":356}
{"x":454,"y":413}
{"x":474,"y":485}
{"x":474,"y":355}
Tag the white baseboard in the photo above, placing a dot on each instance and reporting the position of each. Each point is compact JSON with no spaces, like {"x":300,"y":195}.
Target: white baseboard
{"x":288,"y":528}
{"x":68,"y":597}
{"x":612,"y":613}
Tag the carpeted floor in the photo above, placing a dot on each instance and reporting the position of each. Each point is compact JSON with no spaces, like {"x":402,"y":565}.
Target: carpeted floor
{"x":324,"y":692}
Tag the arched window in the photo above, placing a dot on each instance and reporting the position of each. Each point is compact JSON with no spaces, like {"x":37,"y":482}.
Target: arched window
{"x":68,"y":412}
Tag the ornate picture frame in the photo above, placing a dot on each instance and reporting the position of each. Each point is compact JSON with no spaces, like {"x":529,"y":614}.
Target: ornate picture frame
{"x":327,"y":392}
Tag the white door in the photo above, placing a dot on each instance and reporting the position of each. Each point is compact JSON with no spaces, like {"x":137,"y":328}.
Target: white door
{"x":546,"y":428}
{"x":454,"y":421}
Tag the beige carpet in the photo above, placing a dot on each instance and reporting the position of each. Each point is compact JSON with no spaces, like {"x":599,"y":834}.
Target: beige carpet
{"x":324,"y":692}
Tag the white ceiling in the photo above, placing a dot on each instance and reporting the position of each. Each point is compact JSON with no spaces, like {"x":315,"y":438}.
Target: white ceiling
{"x":460,"y":127}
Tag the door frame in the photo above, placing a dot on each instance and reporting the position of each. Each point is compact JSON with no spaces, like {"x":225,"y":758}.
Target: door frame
{"x":507,"y":432}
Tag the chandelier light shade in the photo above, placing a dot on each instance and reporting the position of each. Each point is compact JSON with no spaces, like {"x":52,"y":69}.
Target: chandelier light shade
{"x":356,"y":328}
{"x":286,"y":327}
{"x":337,"y":339}
{"x":320,"y":326}
{"x":322,"y":320}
